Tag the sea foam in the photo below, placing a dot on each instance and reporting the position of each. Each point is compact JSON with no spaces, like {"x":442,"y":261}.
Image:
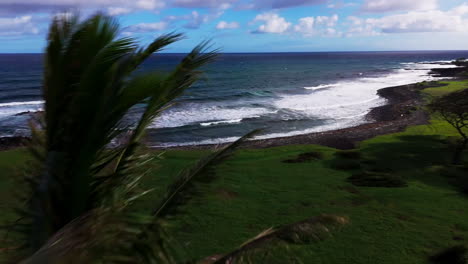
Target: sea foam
{"x":342,"y":104}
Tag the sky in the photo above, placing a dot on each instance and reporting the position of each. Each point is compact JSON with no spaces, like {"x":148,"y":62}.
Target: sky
{"x":256,"y":25}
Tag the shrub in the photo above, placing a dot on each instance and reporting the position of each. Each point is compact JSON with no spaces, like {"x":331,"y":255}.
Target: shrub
{"x":343,"y":164}
{"x":376,"y":179}
{"x":452,"y":255}
{"x":348,"y":154}
{"x":304,"y":157}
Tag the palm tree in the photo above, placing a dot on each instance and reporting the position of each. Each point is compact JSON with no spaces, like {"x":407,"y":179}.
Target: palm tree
{"x":79,"y":204}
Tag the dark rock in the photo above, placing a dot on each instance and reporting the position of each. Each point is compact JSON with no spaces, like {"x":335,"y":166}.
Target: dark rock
{"x":376,"y":179}
{"x":12,"y":142}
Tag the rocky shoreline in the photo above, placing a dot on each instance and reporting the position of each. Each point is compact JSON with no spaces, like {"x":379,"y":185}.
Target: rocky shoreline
{"x":401,"y":111}
{"x":7,"y":143}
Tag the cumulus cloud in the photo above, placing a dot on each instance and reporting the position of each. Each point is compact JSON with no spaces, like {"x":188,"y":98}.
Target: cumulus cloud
{"x":306,"y":26}
{"x":227,"y":25}
{"x":453,"y":20}
{"x":18,"y":26}
{"x":320,"y":25}
{"x":378,"y":6}
{"x":273,"y":23}
{"x":146,"y":27}
{"x":195,"y":19}
{"x":115,"y":11}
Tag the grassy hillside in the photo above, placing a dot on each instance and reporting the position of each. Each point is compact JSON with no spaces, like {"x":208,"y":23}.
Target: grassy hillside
{"x":257,"y":189}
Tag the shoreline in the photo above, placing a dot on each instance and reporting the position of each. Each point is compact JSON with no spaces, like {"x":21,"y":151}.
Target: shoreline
{"x":402,"y":110}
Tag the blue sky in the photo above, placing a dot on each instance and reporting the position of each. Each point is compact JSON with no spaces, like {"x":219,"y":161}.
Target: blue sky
{"x":257,"y":25}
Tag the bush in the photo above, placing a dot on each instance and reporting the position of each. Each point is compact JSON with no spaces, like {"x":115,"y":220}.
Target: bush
{"x":452,"y":255}
{"x":369,"y":161}
{"x":304,"y":157}
{"x":376,"y":179}
{"x":457,"y":176}
{"x":348,"y":154}
{"x":343,"y":164}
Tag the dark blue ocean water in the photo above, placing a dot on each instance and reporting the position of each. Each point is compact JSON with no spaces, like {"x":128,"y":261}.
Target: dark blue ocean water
{"x":284,"y":93}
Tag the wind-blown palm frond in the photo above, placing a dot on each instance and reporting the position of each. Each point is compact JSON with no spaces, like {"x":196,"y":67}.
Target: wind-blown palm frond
{"x":106,"y":236}
{"x":89,"y":87}
{"x":160,"y":95}
{"x":156,"y":46}
{"x":185,"y":75}
{"x":304,"y":232}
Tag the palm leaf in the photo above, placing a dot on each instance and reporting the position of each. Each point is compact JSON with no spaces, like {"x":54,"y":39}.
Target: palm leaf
{"x":156,"y":46}
{"x":160,"y":92}
{"x":107,"y":235}
{"x":183,"y":77}
{"x":89,"y":87}
{"x":304,"y":232}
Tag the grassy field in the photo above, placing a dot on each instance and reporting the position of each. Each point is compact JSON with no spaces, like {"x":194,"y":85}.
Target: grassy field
{"x":255,"y":189}
{"x":451,"y":86}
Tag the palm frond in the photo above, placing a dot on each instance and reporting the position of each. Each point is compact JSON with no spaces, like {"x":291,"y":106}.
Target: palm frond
{"x":304,"y":232}
{"x":160,"y":90}
{"x":87,"y":82}
{"x":109,"y":235}
{"x":187,"y":72}
{"x":157,"y":45}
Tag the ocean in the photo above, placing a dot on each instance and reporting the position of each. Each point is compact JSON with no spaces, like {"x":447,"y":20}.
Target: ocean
{"x":285,"y":94}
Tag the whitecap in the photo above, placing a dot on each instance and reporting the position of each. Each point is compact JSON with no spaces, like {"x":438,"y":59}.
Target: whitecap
{"x":196,"y":114}
{"x":232,"y":121}
{"x":319,"y":87}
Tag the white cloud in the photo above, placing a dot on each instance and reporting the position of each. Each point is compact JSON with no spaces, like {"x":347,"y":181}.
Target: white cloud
{"x":305,"y":25}
{"x":321,"y":25}
{"x":327,"y":21}
{"x":195,"y":19}
{"x":398,"y":5}
{"x":115,"y":11}
{"x":453,"y":20}
{"x":460,"y":10}
{"x":227,"y":25}
{"x":18,"y":26}
{"x":273,"y":23}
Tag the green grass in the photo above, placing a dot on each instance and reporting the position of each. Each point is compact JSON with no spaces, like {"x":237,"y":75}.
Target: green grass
{"x":452,"y":86}
{"x":255,"y":190}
